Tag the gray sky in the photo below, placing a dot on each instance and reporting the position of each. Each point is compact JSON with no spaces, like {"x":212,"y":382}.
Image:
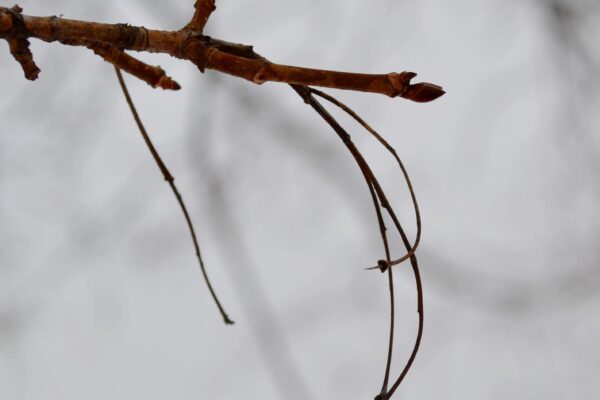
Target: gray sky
{"x":100,"y":294}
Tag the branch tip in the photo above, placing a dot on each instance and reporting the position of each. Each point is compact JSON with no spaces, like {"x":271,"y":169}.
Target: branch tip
{"x":424,"y":92}
{"x":382,"y":265}
{"x":420,"y":92}
{"x":167,"y":83}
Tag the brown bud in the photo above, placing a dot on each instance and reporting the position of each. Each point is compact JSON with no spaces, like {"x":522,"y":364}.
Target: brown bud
{"x":423,"y":92}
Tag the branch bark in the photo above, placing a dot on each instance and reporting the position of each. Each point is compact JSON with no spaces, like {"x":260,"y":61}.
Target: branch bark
{"x":205,"y":52}
{"x":204,"y":8}
{"x":152,"y":75}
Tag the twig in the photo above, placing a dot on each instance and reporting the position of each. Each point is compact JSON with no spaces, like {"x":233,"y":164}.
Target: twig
{"x":204,"y":8}
{"x":153,"y":75}
{"x":373,"y":183}
{"x":169,"y":178}
{"x":110,"y":40}
{"x":19,"y":46}
{"x":381,"y":265}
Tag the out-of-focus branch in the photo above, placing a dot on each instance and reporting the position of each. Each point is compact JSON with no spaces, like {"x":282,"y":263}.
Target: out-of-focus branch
{"x":203,"y":51}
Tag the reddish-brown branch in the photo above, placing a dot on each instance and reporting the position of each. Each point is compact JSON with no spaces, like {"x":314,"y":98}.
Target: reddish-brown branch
{"x":205,"y":52}
{"x":204,"y":8}
{"x":12,"y":20}
{"x":261,"y":70}
{"x":110,"y":40}
{"x":153,"y":75}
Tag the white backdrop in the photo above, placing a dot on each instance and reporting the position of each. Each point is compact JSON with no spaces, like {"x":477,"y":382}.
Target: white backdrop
{"x":100,"y":293}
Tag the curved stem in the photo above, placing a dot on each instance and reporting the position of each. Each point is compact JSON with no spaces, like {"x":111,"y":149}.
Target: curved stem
{"x":306,"y":94}
{"x":384,"y":142}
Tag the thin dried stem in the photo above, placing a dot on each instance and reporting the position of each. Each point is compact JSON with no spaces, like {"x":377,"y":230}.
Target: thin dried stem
{"x":169,"y":178}
{"x":373,"y":183}
{"x":389,"y":148}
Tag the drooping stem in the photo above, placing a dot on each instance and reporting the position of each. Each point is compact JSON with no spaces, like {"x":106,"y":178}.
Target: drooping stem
{"x":390,"y":149}
{"x":169,"y":178}
{"x":373,"y":183}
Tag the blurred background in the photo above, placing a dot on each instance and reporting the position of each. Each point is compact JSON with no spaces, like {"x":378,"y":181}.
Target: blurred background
{"x":100,"y":293}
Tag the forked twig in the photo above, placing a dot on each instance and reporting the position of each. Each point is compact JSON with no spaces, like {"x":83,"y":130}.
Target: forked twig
{"x":390,"y":149}
{"x":372,"y":182}
{"x":169,"y":178}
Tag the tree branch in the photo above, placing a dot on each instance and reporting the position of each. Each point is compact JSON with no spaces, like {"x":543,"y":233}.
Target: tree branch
{"x":205,"y":52}
{"x":110,"y":42}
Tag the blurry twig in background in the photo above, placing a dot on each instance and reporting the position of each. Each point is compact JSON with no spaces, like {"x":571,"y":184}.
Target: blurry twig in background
{"x":269,"y":336}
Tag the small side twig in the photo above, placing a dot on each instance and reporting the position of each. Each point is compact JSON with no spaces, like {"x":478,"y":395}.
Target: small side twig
{"x":203,"y":10}
{"x":18,"y":45}
{"x":154,"y":76}
{"x":169,"y":178}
